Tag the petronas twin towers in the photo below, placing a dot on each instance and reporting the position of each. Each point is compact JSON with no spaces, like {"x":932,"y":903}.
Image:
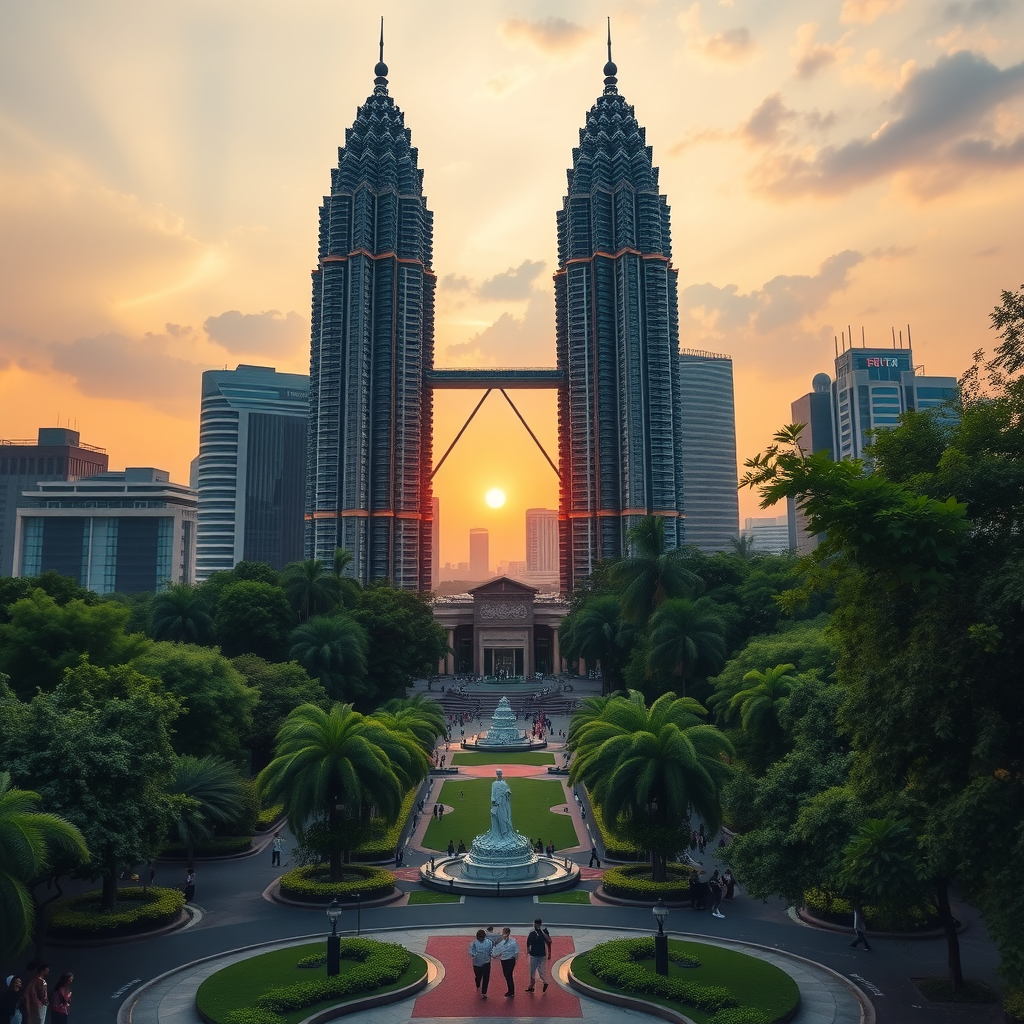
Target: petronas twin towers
{"x":370,"y":444}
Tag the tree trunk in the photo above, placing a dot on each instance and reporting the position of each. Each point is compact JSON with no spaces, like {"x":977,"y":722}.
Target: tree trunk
{"x":336,"y":852}
{"x":659,"y":872}
{"x":108,"y":898}
{"x":956,"y":973}
{"x":42,"y":918}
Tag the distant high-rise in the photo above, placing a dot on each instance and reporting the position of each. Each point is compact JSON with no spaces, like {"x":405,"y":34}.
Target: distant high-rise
{"x":479,"y":554}
{"x":542,"y":542}
{"x":708,"y":424}
{"x":369,"y":461}
{"x":617,"y":335}
{"x":251,"y":469}
{"x":435,"y":543}
{"x":56,"y":454}
{"x":769,"y":534}
{"x":814,"y":411}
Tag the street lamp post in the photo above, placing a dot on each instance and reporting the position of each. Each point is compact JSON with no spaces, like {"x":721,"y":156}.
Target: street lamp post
{"x":333,"y":940}
{"x":359,"y":912}
{"x":660,"y":912}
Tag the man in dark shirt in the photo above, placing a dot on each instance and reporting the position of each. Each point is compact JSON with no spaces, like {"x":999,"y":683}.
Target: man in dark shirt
{"x":538,"y":945}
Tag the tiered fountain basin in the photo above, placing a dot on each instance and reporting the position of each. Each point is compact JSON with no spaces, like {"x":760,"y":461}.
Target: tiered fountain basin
{"x":523,"y":742}
{"x":462,"y":876}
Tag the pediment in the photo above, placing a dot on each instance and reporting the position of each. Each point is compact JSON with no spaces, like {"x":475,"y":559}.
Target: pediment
{"x":503,"y":585}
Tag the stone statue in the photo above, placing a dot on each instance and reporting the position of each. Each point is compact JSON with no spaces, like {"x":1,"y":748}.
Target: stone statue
{"x":501,"y":807}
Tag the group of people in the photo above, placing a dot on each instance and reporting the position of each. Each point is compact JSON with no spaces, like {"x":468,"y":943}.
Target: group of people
{"x":28,"y":1002}
{"x":483,"y":949}
{"x":548,"y":850}
{"x":720,"y":887}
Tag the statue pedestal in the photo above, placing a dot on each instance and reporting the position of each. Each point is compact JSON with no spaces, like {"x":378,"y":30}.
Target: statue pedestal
{"x":494,"y":858}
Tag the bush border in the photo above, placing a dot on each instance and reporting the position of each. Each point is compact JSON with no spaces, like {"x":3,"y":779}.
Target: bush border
{"x":159,"y":907}
{"x":376,"y":883}
{"x":619,"y":882}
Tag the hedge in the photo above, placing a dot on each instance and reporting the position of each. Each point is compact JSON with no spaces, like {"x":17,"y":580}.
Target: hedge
{"x":615,"y":846}
{"x":615,"y":962}
{"x":268,"y":816}
{"x":153,"y":908}
{"x":823,"y":904}
{"x":625,"y":883}
{"x":218,"y":846}
{"x":383,"y":841}
{"x":740,"y":1015}
{"x":309,"y":883}
{"x":1013,"y":1004}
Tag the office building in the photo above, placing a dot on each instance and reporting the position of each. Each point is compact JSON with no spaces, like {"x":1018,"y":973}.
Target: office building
{"x":767,"y":534}
{"x":56,"y":454}
{"x":542,"y":545}
{"x":814,"y":411}
{"x":251,"y":469}
{"x":124,"y":532}
{"x":708,"y":425}
{"x":435,"y":543}
{"x":617,"y":337}
{"x":479,"y":554}
{"x":369,"y":456}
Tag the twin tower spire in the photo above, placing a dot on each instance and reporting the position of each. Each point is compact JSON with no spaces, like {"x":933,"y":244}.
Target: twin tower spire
{"x":370,"y":445}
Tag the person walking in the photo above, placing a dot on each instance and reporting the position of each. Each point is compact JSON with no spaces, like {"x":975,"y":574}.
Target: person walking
{"x":190,"y":886}
{"x":275,"y":850}
{"x":594,"y":857}
{"x":730,"y":885}
{"x":538,"y":945}
{"x":506,"y":949}
{"x":480,"y":951}
{"x":860,"y":927}
{"x":717,"y":891}
{"x":11,"y":1000}
{"x":60,"y":999}
{"x":37,"y":997}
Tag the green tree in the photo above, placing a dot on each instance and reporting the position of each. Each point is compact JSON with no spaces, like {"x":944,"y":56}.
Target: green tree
{"x":139,"y":606}
{"x":253,"y":617}
{"x":333,"y":649}
{"x":311,"y":588}
{"x":758,"y":708}
{"x":30,"y":842}
{"x":597,"y":632}
{"x":882,"y":865}
{"x":418,"y":715}
{"x":216,"y":702}
{"x":181,"y":613}
{"x":686,"y":638}
{"x":207,"y":791}
{"x":336,"y":768}
{"x":649,"y":768}
{"x":348,"y":587}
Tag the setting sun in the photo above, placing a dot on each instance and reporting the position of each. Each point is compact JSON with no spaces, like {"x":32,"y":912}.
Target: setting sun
{"x":495,"y":497}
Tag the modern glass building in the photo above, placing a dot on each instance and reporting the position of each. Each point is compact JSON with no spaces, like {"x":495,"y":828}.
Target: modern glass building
{"x":814,"y":411}
{"x":708,"y":423}
{"x":369,"y":442}
{"x":251,"y":470}
{"x":616,"y":323}
{"x":123,"y":533}
{"x":542,"y":544}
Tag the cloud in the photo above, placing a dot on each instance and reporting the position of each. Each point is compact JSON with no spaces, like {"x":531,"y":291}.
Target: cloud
{"x":765,"y":124}
{"x":514,"y":283}
{"x":976,"y":10}
{"x":730,"y":46}
{"x":812,"y":56}
{"x":456,"y":283}
{"x":695,"y":137}
{"x":553,"y":36}
{"x":936,"y":129}
{"x":266,"y":333}
{"x":864,"y":12}
{"x":511,"y":341}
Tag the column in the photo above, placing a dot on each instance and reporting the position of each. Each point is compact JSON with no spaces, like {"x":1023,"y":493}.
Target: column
{"x":449,"y":660}
{"x":556,"y":658}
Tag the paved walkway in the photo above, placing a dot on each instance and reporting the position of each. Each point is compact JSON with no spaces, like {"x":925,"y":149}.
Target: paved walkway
{"x":825,"y":997}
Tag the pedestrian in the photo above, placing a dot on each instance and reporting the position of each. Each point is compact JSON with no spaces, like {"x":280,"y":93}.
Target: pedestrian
{"x":462,"y":796}
{"x":10,"y":1001}
{"x":594,"y":857}
{"x":694,"y":889}
{"x":433,"y":813}
{"x":451,"y":848}
{"x":717,"y":891}
{"x":60,"y":999}
{"x":538,"y":945}
{"x":461,"y":851}
{"x":440,"y":811}
{"x":506,"y":949}
{"x":37,"y":997}
{"x":860,"y":927}
{"x":275,"y":850}
{"x":730,"y":885}
{"x":480,"y":950}
{"x":190,"y":886}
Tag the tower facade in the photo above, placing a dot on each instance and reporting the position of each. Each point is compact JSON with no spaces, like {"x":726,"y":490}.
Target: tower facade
{"x":617,"y":333}
{"x":369,"y":441}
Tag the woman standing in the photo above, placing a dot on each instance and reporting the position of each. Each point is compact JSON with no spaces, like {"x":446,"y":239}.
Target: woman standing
{"x":190,"y":885}
{"x":36,"y":995}
{"x":730,"y":885}
{"x":10,"y":1001}
{"x":60,"y":999}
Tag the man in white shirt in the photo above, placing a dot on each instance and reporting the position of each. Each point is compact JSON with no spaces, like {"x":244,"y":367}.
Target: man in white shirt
{"x":506,"y":949}
{"x":480,"y":950}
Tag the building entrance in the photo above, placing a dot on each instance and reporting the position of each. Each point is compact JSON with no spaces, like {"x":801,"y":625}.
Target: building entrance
{"x":504,"y":662}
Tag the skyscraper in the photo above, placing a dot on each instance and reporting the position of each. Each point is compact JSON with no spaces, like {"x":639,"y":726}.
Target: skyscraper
{"x":251,"y":469}
{"x":369,"y":447}
{"x":479,"y":554}
{"x":709,"y":450}
{"x":435,"y":543}
{"x":542,"y":543}
{"x":814,"y":411}
{"x":56,"y":454}
{"x":617,"y":332}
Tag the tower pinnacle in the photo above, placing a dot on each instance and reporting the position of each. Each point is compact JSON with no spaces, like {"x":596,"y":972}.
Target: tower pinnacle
{"x":610,"y":70}
{"x":380,"y":83}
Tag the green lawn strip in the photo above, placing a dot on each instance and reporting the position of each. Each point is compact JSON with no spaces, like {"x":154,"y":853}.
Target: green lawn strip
{"x":471,"y":817}
{"x":751,"y":981}
{"x":569,"y":896}
{"x":240,"y":985}
{"x":475,"y":759}
{"x":422,"y":896}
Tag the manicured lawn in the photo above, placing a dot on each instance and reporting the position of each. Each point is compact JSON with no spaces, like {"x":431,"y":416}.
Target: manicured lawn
{"x":751,"y":981}
{"x":568,"y":896}
{"x":531,"y":799}
{"x":424,"y":896}
{"x":529,"y":757}
{"x":242,"y":983}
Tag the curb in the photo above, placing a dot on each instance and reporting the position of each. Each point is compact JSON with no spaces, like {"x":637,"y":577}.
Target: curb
{"x":618,"y":901}
{"x":827,"y":926}
{"x":183,"y":920}
{"x":272,"y":894}
{"x":628,"y":1002}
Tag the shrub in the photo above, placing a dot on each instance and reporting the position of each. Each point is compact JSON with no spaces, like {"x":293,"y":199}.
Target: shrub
{"x":251,"y":1015}
{"x":1013,"y":1004}
{"x":740,"y":1015}
{"x":139,"y":910}
{"x":218,"y":846}
{"x":311,"y":883}
{"x":382,"y":841}
{"x":313,"y":960}
{"x":824,"y":904}
{"x":629,"y":882}
{"x":268,"y":816}
{"x":615,"y":846}
{"x":244,"y":823}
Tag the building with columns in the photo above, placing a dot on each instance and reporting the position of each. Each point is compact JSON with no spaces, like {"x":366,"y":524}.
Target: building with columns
{"x":501,"y":628}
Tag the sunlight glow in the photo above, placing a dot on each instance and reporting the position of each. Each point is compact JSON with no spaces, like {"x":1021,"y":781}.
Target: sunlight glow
{"x":495,"y":497}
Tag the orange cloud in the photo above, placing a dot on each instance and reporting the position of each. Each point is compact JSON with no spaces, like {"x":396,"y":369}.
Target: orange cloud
{"x":864,"y":12}
{"x":549,"y":35}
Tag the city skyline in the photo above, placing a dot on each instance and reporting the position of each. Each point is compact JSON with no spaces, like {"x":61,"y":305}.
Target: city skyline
{"x":814,"y":179}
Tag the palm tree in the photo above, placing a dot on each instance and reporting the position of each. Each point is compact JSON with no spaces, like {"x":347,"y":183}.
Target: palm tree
{"x":332,"y":649}
{"x":598,"y":632}
{"x":311,"y":589}
{"x":649,"y":768}
{"x":337,"y":767}
{"x":686,"y":636}
{"x":650,"y":574}
{"x":758,"y":703}
{"x":743,"y":547}
{"x":349,"y":587}
{"x":29,"y":843}
{"x":181,"y":613}
{"x":208,"y":792}
{"x":418,"y":715}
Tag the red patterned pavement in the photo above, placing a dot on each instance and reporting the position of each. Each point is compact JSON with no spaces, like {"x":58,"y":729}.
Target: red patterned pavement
{"x":456,"y":996}
{"x":510,"y":771}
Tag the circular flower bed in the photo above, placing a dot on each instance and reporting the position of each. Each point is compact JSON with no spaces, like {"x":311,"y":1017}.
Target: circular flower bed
{"x":313,"y":883}
{"x":836,"y":910}
{"x":633,"y":882}
{"x":138,"y":910}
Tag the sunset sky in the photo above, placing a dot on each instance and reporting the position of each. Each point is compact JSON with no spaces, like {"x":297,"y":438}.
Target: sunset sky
{"x":161,"y":166}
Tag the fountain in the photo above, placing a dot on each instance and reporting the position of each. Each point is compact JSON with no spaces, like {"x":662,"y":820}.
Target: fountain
{"x":501,"y":859}
{"x":503,"y":734}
